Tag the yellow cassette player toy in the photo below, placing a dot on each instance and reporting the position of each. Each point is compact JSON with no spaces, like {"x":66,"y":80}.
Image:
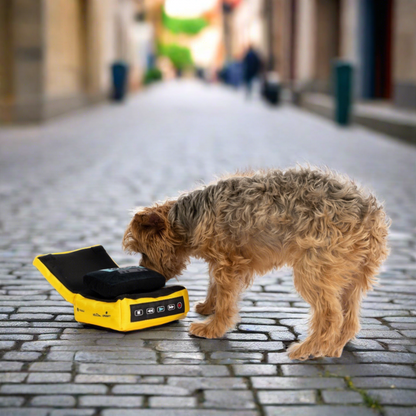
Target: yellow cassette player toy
{"x":106,"y":295}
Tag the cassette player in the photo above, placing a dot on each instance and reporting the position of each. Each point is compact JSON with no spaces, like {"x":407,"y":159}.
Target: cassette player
{"x":68,"y":273}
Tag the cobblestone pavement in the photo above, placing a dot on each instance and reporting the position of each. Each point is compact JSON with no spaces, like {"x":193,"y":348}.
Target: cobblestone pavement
{"x":70,"y":183}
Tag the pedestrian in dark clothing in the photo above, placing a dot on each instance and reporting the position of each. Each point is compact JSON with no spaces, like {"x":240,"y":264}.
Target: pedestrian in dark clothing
{"x":252,"y":67}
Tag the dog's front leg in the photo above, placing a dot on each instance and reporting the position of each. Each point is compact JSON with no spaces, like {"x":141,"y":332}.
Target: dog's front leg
{"x":228,"y":288}
{"x":206,"y":307}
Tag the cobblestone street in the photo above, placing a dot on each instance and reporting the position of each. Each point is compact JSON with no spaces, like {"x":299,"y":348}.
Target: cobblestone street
{"x":71,"y":182}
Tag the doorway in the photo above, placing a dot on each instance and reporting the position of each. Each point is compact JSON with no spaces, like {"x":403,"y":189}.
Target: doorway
{"x":376,"y":51}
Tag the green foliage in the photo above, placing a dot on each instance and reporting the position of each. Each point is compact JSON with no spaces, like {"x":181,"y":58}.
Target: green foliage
{"x":180,"y":56}
{"x":152,"y":75}
{"x":188,"y":26}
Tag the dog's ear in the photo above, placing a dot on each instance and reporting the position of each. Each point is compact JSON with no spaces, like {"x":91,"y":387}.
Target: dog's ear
{"x":151,"y":220}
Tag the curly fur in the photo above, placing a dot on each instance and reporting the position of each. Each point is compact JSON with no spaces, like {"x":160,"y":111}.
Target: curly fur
{"x":331,"y":232}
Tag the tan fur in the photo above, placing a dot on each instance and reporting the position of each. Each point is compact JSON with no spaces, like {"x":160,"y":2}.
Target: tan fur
{"x":323,"y":225}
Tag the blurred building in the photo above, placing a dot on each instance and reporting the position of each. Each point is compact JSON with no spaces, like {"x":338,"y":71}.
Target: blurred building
{"x":55,"y":55}
{"x":377,"y":36}
{"x":245,"y":25}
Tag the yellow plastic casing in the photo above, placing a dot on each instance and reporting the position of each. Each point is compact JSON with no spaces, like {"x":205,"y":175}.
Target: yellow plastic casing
{"x":115,"y":314}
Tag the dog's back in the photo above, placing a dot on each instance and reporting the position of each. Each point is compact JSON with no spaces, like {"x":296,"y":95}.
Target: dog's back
{"x":296,"y":209}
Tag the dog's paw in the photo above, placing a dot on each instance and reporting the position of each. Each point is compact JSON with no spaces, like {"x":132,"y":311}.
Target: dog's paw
{"x":206,"y":329}
{"x":305,"y":350}
{"x":299,"y":351}
{"x":203,"y":308}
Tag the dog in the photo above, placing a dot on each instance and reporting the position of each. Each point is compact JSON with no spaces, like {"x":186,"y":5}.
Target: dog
{"x":328,"y":229}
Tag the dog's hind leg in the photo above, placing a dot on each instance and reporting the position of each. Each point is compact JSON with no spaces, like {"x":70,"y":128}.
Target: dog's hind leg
{"x":351,"y":302}
{"x":321,"y":286}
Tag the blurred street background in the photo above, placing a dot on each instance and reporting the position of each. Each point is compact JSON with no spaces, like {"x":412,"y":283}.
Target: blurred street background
{"x":60,"y":55}
{"x":110,"y":104}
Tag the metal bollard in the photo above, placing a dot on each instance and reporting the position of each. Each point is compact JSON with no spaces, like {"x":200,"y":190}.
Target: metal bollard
{"x":119,"y":72}
{"x":342,"y":74}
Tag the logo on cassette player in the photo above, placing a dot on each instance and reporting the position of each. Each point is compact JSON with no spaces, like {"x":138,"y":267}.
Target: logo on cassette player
{"x":157,"y":309}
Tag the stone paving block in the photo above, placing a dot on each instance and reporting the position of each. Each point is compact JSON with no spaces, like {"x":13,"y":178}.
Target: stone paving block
{"x":394,"y":396}
{"x":48,"y":377}
{"x":371,"y":370}
{"x":6,"y":309}
{"x":184,"y":357}
{"x":172,"y":402}
{"x":15,"y":337}
{"x":51,"y":366}
{"x":204,"y":383}
{"x":378,"y":334}
{"x":13,"y":411}
{"x":341,"y":397}
{"x":409,"y":334}
{"x":262,"y":328}
{"x":165,"y":335}
{"x":384,"y":382}
{"x":116,"y":357}
{"x":13,"y":324}
{"x":46,"y":309}
{"x":386,"y":357}
{"x":364,"y":344}
{"x":399,"y":411}
{"x":301,"y":383}
{"x":60,"y":356}
{"x":72,"y":412}
{"x":176,"y":412}
{"x":111,"y":401}
{"x":307,"y":370}
{"x":7,"y":345}
{"x":53,"y":389}
{"x":179,"y":346}
{"x":151,"y":390}
{"x":151,"y":380}
{"x":43,"y":345}
{"x":107,"y":379}
{"x":230,"y":357}
{"x":166,"y":370}
{"x":10,"y":366}
{"x":258,"y":321}
{"x":223,"y":345}
{"x":12,"y":401}
{"x":13,"y":377}
{"x":287,"y":397}
{"x":229,"y":399}
{"x":254,"y":369}
{"x":53,"y":401}
{"x":238,"y":336}
{"x":21,"y":356}
{"x":282,"y":336}
{"x":31,"y":317}
{"x":279,"y":358}
{"x":326,"y":410}
{"x":47,"y":336}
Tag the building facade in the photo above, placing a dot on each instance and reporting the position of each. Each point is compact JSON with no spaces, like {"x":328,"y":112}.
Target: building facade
{"x":55,"y":55}
{"x":377,"y":36}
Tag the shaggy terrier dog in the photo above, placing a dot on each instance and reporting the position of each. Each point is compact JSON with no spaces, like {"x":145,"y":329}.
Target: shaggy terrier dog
{"x":332,"y":233}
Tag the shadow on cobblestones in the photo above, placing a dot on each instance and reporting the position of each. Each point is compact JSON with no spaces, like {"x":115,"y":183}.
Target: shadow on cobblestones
{"x":71,"y":183}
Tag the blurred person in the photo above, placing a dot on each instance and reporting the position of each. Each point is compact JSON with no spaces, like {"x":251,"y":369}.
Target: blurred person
{"x":252,"y":67}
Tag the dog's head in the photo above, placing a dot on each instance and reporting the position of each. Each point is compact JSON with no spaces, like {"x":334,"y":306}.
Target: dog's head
{"x":151,"y":234}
